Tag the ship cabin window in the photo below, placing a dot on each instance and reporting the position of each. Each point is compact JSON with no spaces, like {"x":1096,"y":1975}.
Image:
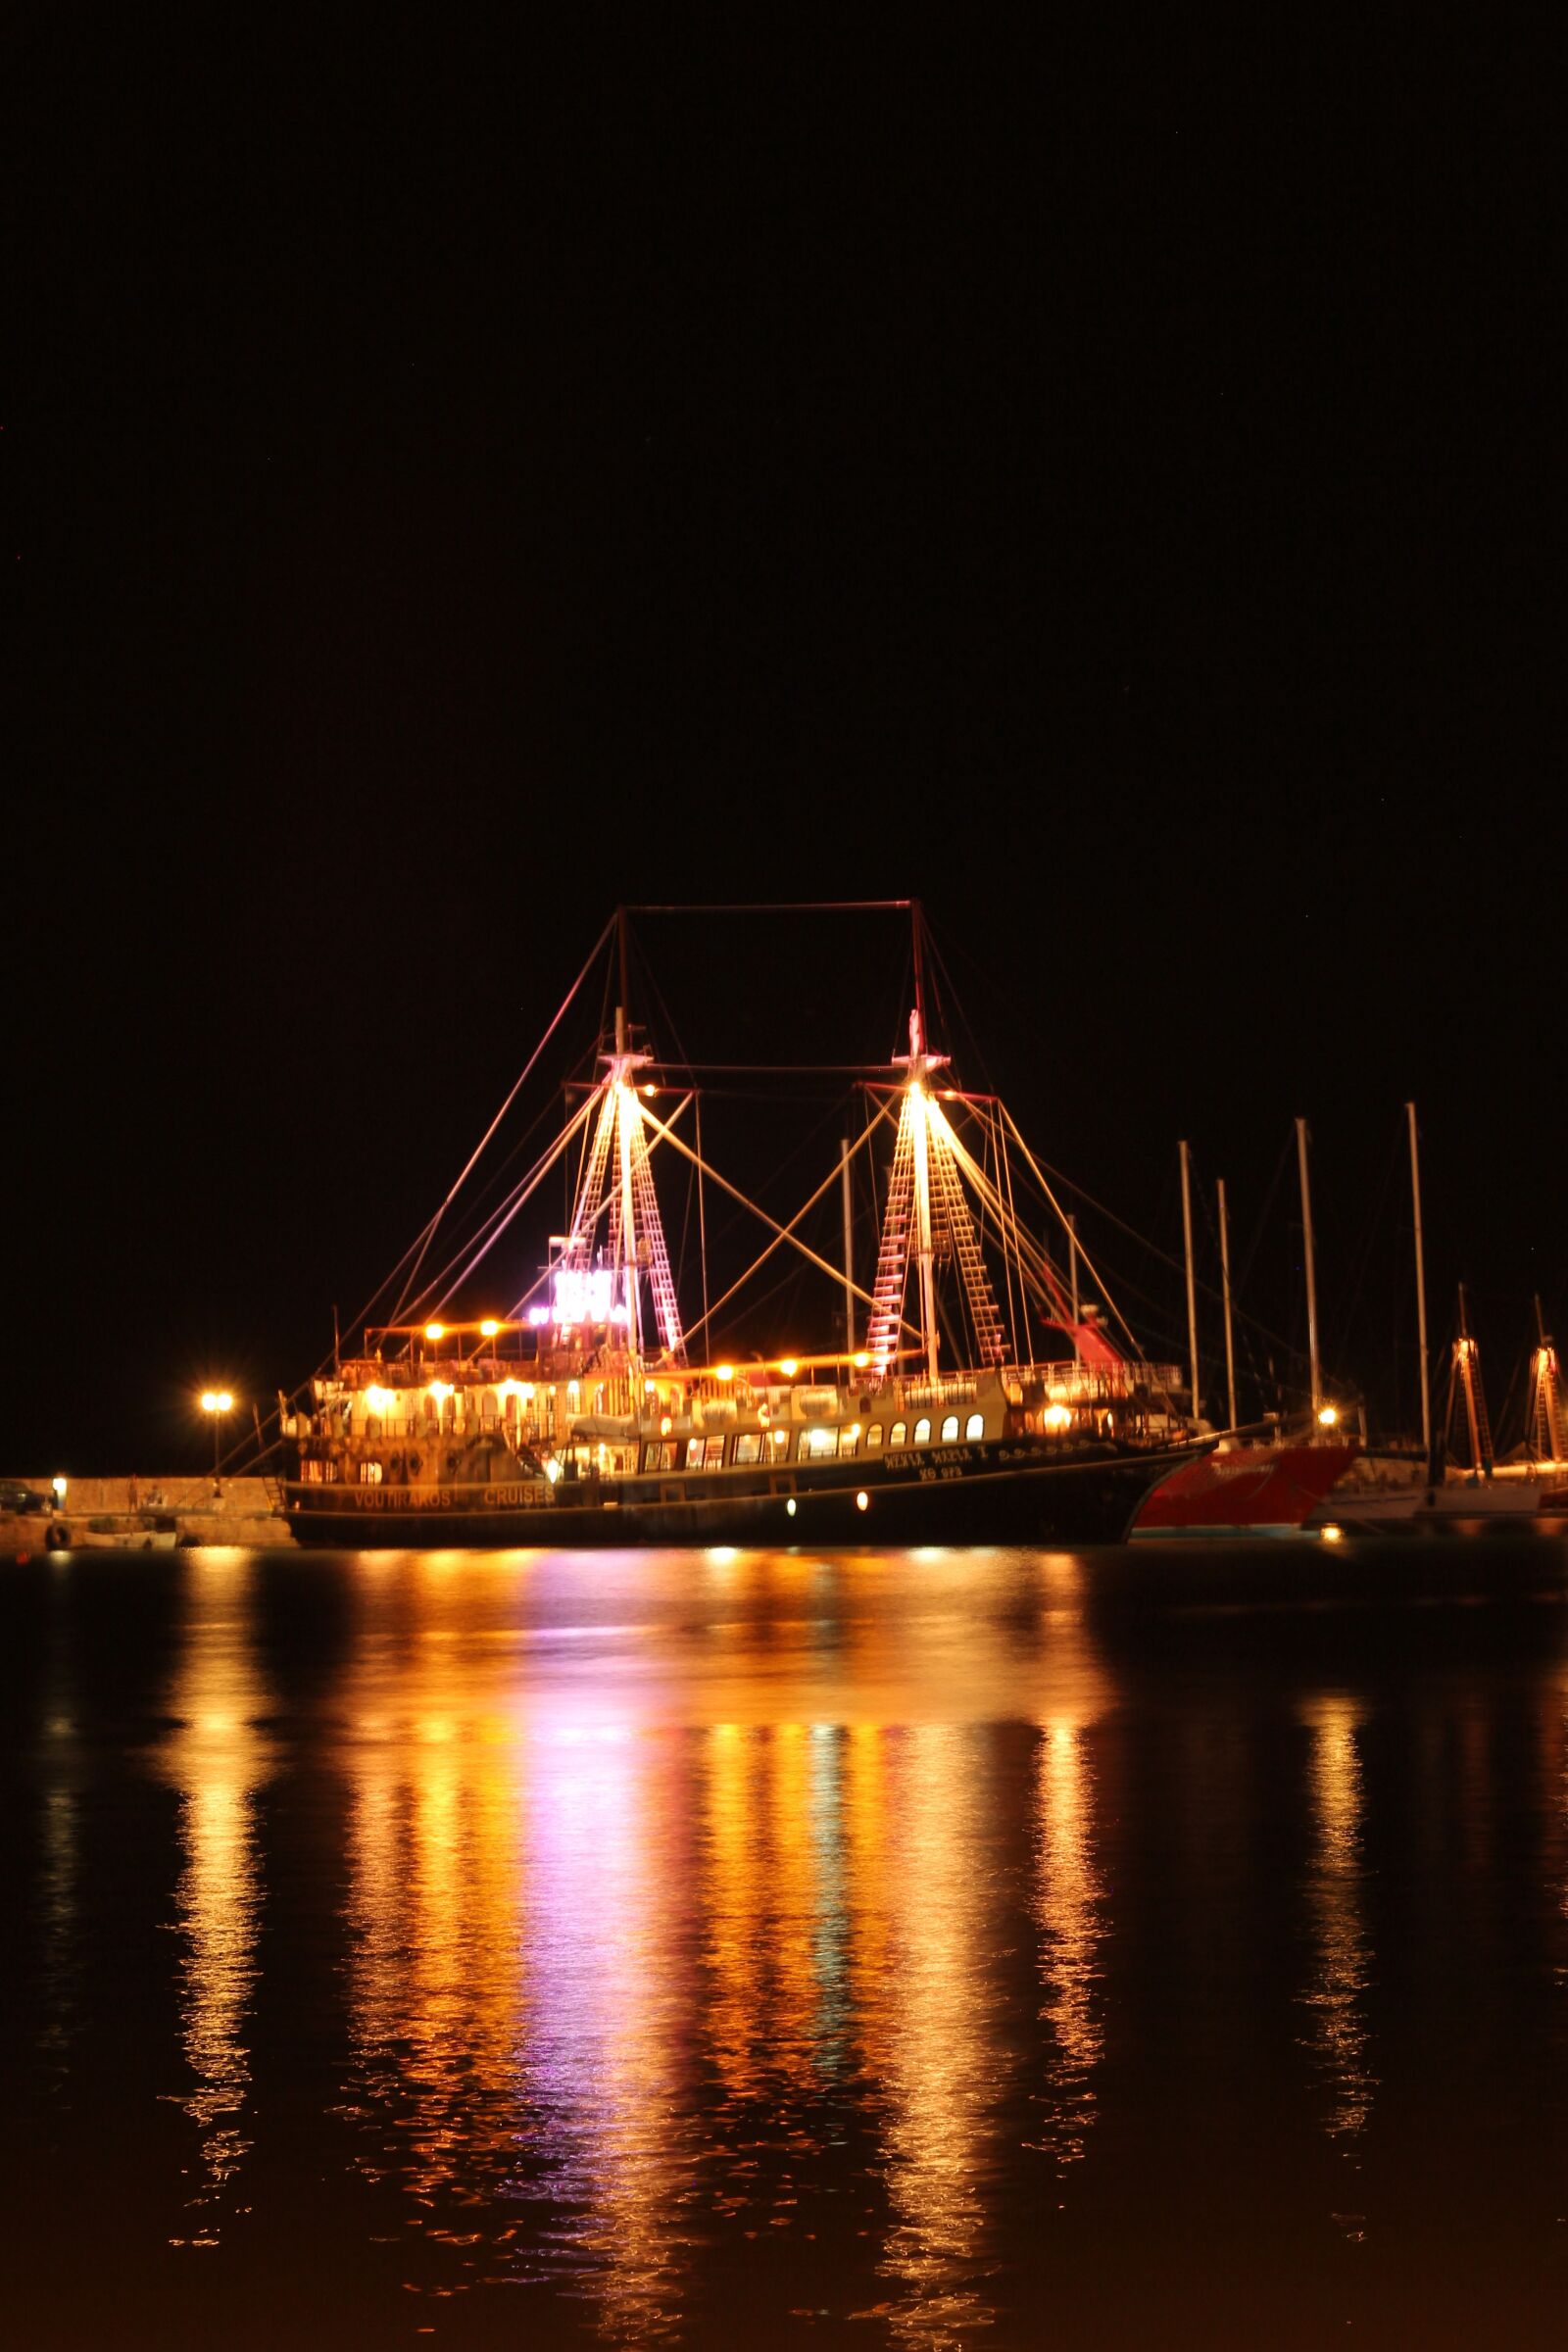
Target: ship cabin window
{"x":778,"y":1444}
{"x":660,"y":1454}
{"x":432,"y":1413}
{"x":873,"y":1436}
{"x":922,"y":1431}
{"x":950,"y":1430}
{"x":848,"y":1440}
{"x":898,"y":1434}
{"x":489,"y":1413}
{"x":313,"y":1472}
{"x":448,"y":1411}
{"x":371,"y":1474}
{"x":816,"y":1445}
{"x":748,"y":1446}
{"x":975,"y":1426}
{"x":714,"y":1457}
{"x":694,"y":1452}
{"x":372,"y":1427}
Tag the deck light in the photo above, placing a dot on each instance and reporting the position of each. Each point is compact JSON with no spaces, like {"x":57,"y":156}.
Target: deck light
{"x":58,"y":1486}
{"x":489,"y":1327}
{"x":440,"y":1389}
{"x":435,"y":1331}
{"x":1328,"y":1416}
{"x":723,"y":1371}
{"x":862,"y":1500}
{"x":1055,"y":1416}
{"x":1332,"y":1534}
{"x":789,"y":1506}
{"x":378,"y":1400}
{"x":789,"y":1366}
{"x":861,"y":1359}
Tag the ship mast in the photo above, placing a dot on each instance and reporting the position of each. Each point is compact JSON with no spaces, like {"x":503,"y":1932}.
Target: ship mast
{"x":617,"y":1185}
{"x":623,"y":1062}
{"x":1420,"y":1296}
{"x":919,"y":1132}
{"x":1546,"y":1420}
{"x":1192,"y":1300}
{"x":1225,"y":1291}
{"x":1312,"y":1277}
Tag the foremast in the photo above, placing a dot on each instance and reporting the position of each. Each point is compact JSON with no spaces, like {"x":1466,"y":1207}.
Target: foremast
{"x":617,"y":1187}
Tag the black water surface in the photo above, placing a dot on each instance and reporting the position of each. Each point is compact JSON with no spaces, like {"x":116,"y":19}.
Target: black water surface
{"x":880,"y":1950}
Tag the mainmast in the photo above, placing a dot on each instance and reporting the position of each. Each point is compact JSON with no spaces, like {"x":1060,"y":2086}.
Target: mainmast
{"x":623,"y":1062}
{"x":926,"y":1208}
{"x":919,"y":1130}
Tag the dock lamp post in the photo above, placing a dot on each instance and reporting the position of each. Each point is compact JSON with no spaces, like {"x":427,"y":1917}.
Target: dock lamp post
{"x":218,"y":1403}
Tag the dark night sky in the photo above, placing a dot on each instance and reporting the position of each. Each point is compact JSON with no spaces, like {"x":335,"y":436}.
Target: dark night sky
{"x":460,"y":482}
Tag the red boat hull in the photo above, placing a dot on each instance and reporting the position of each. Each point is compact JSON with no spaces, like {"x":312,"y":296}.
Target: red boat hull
{"x":1250,"y":1490}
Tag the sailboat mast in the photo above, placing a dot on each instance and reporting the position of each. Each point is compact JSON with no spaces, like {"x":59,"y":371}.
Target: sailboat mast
{"x":1072,"y":1276}
{"x":1420,"y":1294}
{"x":848,"y":1245}
{"x":1225,"y":1292}
{"x":1311,"y":1274}
{"x":1192,"y":1298}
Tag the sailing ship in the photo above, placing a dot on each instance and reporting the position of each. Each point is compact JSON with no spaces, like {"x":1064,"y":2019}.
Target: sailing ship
{"x":587,"y":1414}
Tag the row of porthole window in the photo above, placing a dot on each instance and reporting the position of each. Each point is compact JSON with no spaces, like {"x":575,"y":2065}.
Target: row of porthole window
{"x":974,"y":1427}
{"x":820,"y":1444}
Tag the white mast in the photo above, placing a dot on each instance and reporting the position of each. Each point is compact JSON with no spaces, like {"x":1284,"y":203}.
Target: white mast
{"x":1072,"y":1276}
{"x":1420,"y":1293}
{"x":1312,"y":1277}
{"x":628,"y":1215}
{"x":922,"y":1199}
{"x":1225,"y":1289}
{"x":849,"y":1247}
{"x":1192,"y":1300}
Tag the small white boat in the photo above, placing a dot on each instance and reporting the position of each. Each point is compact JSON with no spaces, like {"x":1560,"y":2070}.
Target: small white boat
{"x":115,"y":1531}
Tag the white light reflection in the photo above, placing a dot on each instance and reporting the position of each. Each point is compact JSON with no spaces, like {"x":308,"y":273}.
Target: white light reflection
{"x":218,"y":1758}
{"x":1069,"y":1911}
{"x":610,"y":1981}
{"x":914,"y":1809}
{"x":1337,"y":1991}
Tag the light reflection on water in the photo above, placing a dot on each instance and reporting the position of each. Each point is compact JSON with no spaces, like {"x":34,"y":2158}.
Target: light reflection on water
{"x":855,"y":1942}
{"x":218,"y":1757}
{"x":1337,"y":1993}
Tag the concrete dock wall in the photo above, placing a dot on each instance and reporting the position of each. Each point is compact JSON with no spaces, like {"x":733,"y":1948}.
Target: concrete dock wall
{"x":235,"y":1510}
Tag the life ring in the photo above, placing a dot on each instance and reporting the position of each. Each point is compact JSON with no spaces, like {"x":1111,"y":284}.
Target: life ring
{"x":56,"y":1536}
